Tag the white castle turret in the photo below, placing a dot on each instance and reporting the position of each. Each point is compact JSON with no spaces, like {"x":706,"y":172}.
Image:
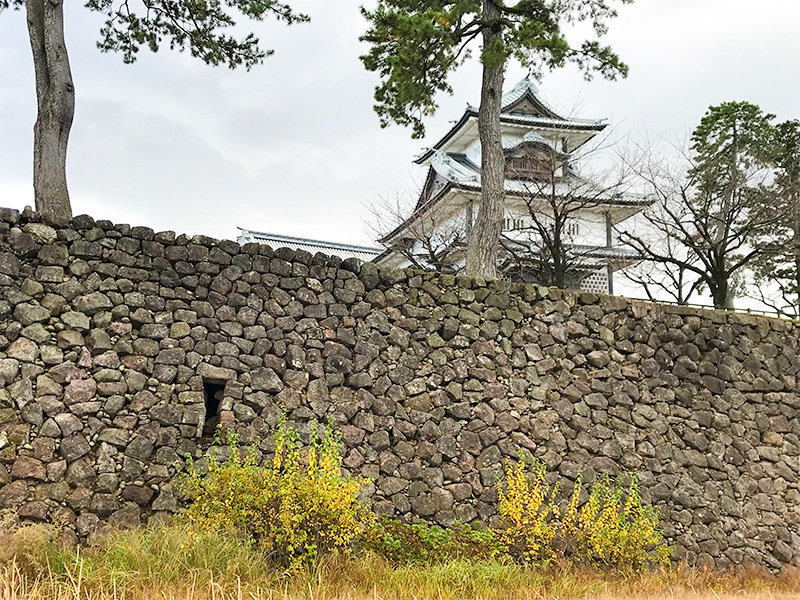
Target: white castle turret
{"x":538,"y":144}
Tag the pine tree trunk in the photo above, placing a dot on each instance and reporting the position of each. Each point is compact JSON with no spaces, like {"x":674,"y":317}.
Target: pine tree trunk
{"x":55,"y":96}
{"x":795,"y":206}
{"x":484,"y":239}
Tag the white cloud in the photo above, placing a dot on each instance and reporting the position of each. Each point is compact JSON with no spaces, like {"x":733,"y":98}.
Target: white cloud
{"x":293,"y":146}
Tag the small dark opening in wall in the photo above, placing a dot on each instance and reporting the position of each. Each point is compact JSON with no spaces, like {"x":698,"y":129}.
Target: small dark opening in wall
{"x":213,"y":392}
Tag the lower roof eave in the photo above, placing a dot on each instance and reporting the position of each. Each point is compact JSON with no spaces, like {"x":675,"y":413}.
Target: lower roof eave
{"x":516,"y":120}
{"x":392,"y":236}
{"x":610,"y":202}
{"x":475,"y":190}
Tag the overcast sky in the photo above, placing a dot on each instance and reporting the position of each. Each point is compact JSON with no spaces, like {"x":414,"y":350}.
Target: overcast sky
{"x":293,"y":146}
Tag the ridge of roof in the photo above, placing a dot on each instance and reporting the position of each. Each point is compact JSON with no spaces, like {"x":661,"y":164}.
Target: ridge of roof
{"x":524,"y":86}
{"x":306,"y":241}
{"x":560,"y":123}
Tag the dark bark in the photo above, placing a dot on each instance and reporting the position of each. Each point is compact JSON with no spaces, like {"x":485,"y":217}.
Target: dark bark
{"x":720,"y":292}
{"x":794,"y":286}
{"x":55,"y":96}
{"x":484,"y":236}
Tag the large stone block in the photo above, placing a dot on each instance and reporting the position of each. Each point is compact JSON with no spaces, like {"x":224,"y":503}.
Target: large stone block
{"x":91,"y":304}
{"x":28,"y":468}
{"x":266,"y":379}
{"x":73,"y":447}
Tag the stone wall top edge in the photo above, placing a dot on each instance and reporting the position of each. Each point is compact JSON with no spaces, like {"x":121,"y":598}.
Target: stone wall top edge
{"x":719,"y":316}
{"x":413,"y":276}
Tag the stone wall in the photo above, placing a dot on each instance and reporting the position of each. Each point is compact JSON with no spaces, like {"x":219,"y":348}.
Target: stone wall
{"x":114,"y":339}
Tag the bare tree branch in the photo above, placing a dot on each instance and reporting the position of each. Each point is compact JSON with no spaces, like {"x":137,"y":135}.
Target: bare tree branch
{"x":545,"y":243}
{"x":426,"y":244}
{"x":709,"y":208}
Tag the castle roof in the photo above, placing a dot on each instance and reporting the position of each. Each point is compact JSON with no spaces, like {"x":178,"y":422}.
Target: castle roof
{"x":529,"y":125}
{"x":458,"y":169}
{"x":522,"y":107}
{"x":364,"y":253}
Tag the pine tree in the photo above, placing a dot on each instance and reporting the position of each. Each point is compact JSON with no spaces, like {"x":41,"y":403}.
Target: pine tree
{"x":777,"y":269}
{"x":417,"y":44}
{"x":717,"y":215}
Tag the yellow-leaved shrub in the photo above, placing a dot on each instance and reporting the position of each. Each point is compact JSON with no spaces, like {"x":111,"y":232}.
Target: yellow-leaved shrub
{"x":297,"y":507}
{"x":528,"y":512}
{"x":612,"y":529}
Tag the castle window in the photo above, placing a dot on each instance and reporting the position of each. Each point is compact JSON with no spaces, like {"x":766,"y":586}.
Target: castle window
{"x":525,"y":167}
{"x":573,"y":228}
{"x":510,"y":224}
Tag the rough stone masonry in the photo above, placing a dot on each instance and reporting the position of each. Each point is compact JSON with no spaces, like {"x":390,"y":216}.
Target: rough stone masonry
{"x":121,"y":349}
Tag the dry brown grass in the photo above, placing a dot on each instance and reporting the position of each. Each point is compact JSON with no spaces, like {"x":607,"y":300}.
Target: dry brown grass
{"x":170,"y":565}
{"x":373,"y":579}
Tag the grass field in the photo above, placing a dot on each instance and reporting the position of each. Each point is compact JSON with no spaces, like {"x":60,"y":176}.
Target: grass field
{"x":169,"y":564}
{"x":371,"y":580}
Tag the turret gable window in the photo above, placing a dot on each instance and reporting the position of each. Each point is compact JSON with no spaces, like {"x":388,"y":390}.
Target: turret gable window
{"x":528,"y":168}
{"x":533,"y":161}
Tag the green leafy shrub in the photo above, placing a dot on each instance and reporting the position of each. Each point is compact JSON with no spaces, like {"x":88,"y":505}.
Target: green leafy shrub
{"x":296,"y":508}
{"x":613,"y":529}
{"x":404,"y":543}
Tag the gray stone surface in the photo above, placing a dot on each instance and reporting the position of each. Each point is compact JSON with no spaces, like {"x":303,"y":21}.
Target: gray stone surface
{"x":110,"y":335}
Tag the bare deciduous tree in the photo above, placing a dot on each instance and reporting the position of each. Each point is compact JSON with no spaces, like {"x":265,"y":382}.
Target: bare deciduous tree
{"x":427,"y":244}
{"x":702,"y":228}
{"x":553,"y":203}
{"x":661,"y":280}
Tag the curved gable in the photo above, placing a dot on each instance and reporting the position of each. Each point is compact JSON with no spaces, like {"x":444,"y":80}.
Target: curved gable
{"x":529,"y":104}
